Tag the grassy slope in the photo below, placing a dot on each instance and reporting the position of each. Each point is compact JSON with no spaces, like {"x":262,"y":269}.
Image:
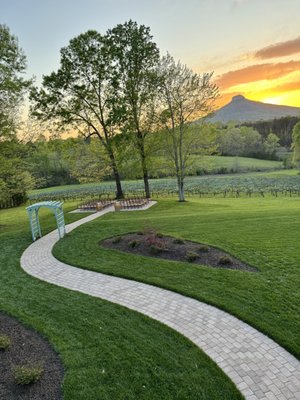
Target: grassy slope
{"x":238,"y":162}
{"x":108,"y":351}
{"x":262,"y":232}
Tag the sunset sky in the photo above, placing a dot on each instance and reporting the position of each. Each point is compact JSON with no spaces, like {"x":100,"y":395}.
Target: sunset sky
{"x":253,"y":46}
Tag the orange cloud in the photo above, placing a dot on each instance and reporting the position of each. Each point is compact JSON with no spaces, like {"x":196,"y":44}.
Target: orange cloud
{"x":279,"y":49}
{"x":288,"y":86}
{"x":257,"y":72}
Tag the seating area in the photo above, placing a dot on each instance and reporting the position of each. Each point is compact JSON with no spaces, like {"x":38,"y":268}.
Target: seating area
{"x":133,"y":203}
{"x":126,"y":204}
{"x":95,"y":205}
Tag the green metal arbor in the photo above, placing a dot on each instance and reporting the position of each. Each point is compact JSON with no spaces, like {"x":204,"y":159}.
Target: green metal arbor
{"x":33,"y":212}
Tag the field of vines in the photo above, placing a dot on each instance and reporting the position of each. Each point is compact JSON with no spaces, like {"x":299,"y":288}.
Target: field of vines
{"x":208,"y":186}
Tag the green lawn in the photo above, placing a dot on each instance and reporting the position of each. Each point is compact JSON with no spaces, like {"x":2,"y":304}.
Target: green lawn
{"x":261,"y":231}
{"x":237,"y":163}
{"x":108,"y":351}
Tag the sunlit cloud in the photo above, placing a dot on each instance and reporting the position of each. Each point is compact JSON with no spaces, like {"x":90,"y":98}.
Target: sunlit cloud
{"x":289,"y":99}
{"x":280,"y":90}
{"x":289,"y":86}
{"x":276,"y":97}
{"x":279,"y":49}
{"x":272,"y":96}
{"x":285,"y":82}
{"x":257,"y":72}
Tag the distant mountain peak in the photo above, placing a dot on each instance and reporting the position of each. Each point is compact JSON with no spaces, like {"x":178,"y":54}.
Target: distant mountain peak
{"x":244,"y":110}
{"x":239,"y":97}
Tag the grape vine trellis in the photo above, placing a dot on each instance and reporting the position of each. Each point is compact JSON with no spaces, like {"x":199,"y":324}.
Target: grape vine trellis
{"x":221,"y":186}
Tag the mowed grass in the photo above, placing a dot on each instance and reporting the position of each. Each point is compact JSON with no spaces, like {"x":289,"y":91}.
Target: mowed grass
{"x":108,"y":351}
{"x":263,"y":232}
{"x":237,"y":163}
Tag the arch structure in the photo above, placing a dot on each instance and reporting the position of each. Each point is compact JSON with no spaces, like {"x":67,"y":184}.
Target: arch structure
{"x":33,"y":213}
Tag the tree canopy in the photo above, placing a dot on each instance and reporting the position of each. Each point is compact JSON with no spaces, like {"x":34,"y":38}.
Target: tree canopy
{"x":135,"y":59}
{"x":185,"y":97}
{"x":83,"y":95}
{"x":12,"y":84}
{"x":14,"y":179}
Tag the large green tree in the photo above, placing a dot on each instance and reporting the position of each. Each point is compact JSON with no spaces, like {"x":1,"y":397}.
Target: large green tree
{"x":50,"y":161}
{"x":271,"y":146}
{"x":88,"y":161}
{"x":240,"y":141}
{"x":83,"y":95}
{"x":14,"y":179}
{"x":135,"y":59}
{"x":185,"y":97}
{"x":12,"y":84}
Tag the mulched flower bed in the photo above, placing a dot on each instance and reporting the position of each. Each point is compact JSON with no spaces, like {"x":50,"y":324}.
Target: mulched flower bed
{"x":28,"y":348}
{"x":152,"y":244}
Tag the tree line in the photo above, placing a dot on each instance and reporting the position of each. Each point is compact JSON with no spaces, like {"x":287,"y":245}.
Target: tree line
{"x":40,"y":163}
{"x":281,"y":127}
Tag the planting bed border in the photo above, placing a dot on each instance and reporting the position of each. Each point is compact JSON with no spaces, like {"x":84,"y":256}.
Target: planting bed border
{"x":152,"y":244}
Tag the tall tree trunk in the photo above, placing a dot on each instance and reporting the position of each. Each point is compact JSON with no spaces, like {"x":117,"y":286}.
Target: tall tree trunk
{"x":144,"y":165}
{"x":180,"y":163}
{"x":119,"y":191}
{"x":145,"y":177}
{"x":180,"y":186}
{"x":178,"y":169}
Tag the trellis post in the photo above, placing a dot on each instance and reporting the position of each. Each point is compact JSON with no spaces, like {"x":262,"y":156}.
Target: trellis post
{"x":33,"y":211}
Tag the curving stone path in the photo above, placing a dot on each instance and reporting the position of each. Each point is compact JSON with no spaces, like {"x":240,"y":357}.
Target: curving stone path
{"x":259,"y":367}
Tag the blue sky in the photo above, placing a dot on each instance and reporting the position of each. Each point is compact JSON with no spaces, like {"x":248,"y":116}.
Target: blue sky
{"x":206,"y":35}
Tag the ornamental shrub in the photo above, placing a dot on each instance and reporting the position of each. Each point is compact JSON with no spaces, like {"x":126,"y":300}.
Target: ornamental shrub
{"x":191,"y":256}
{"x":4,"y":342}
{"x":26,"y":374}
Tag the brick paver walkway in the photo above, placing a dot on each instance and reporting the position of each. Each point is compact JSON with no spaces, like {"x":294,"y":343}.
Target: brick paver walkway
{"x":258,"y":366}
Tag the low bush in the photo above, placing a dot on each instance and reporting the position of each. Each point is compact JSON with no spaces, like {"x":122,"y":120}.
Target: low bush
{"x":4,"y":342}
{"x":157,"y":248}
{"x":27,"y":374}
{"x":203,"y":248}
{"x":117,"y":239}
{"x":225,"y":260}
{"x":191,"y":256}
{"x":133,"y":244}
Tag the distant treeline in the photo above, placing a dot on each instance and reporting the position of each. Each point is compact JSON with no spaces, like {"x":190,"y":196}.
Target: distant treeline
{"x":281,"y":127}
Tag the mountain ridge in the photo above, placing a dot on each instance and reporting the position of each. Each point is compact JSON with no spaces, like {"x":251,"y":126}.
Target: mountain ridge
{"x":244,"y":110}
